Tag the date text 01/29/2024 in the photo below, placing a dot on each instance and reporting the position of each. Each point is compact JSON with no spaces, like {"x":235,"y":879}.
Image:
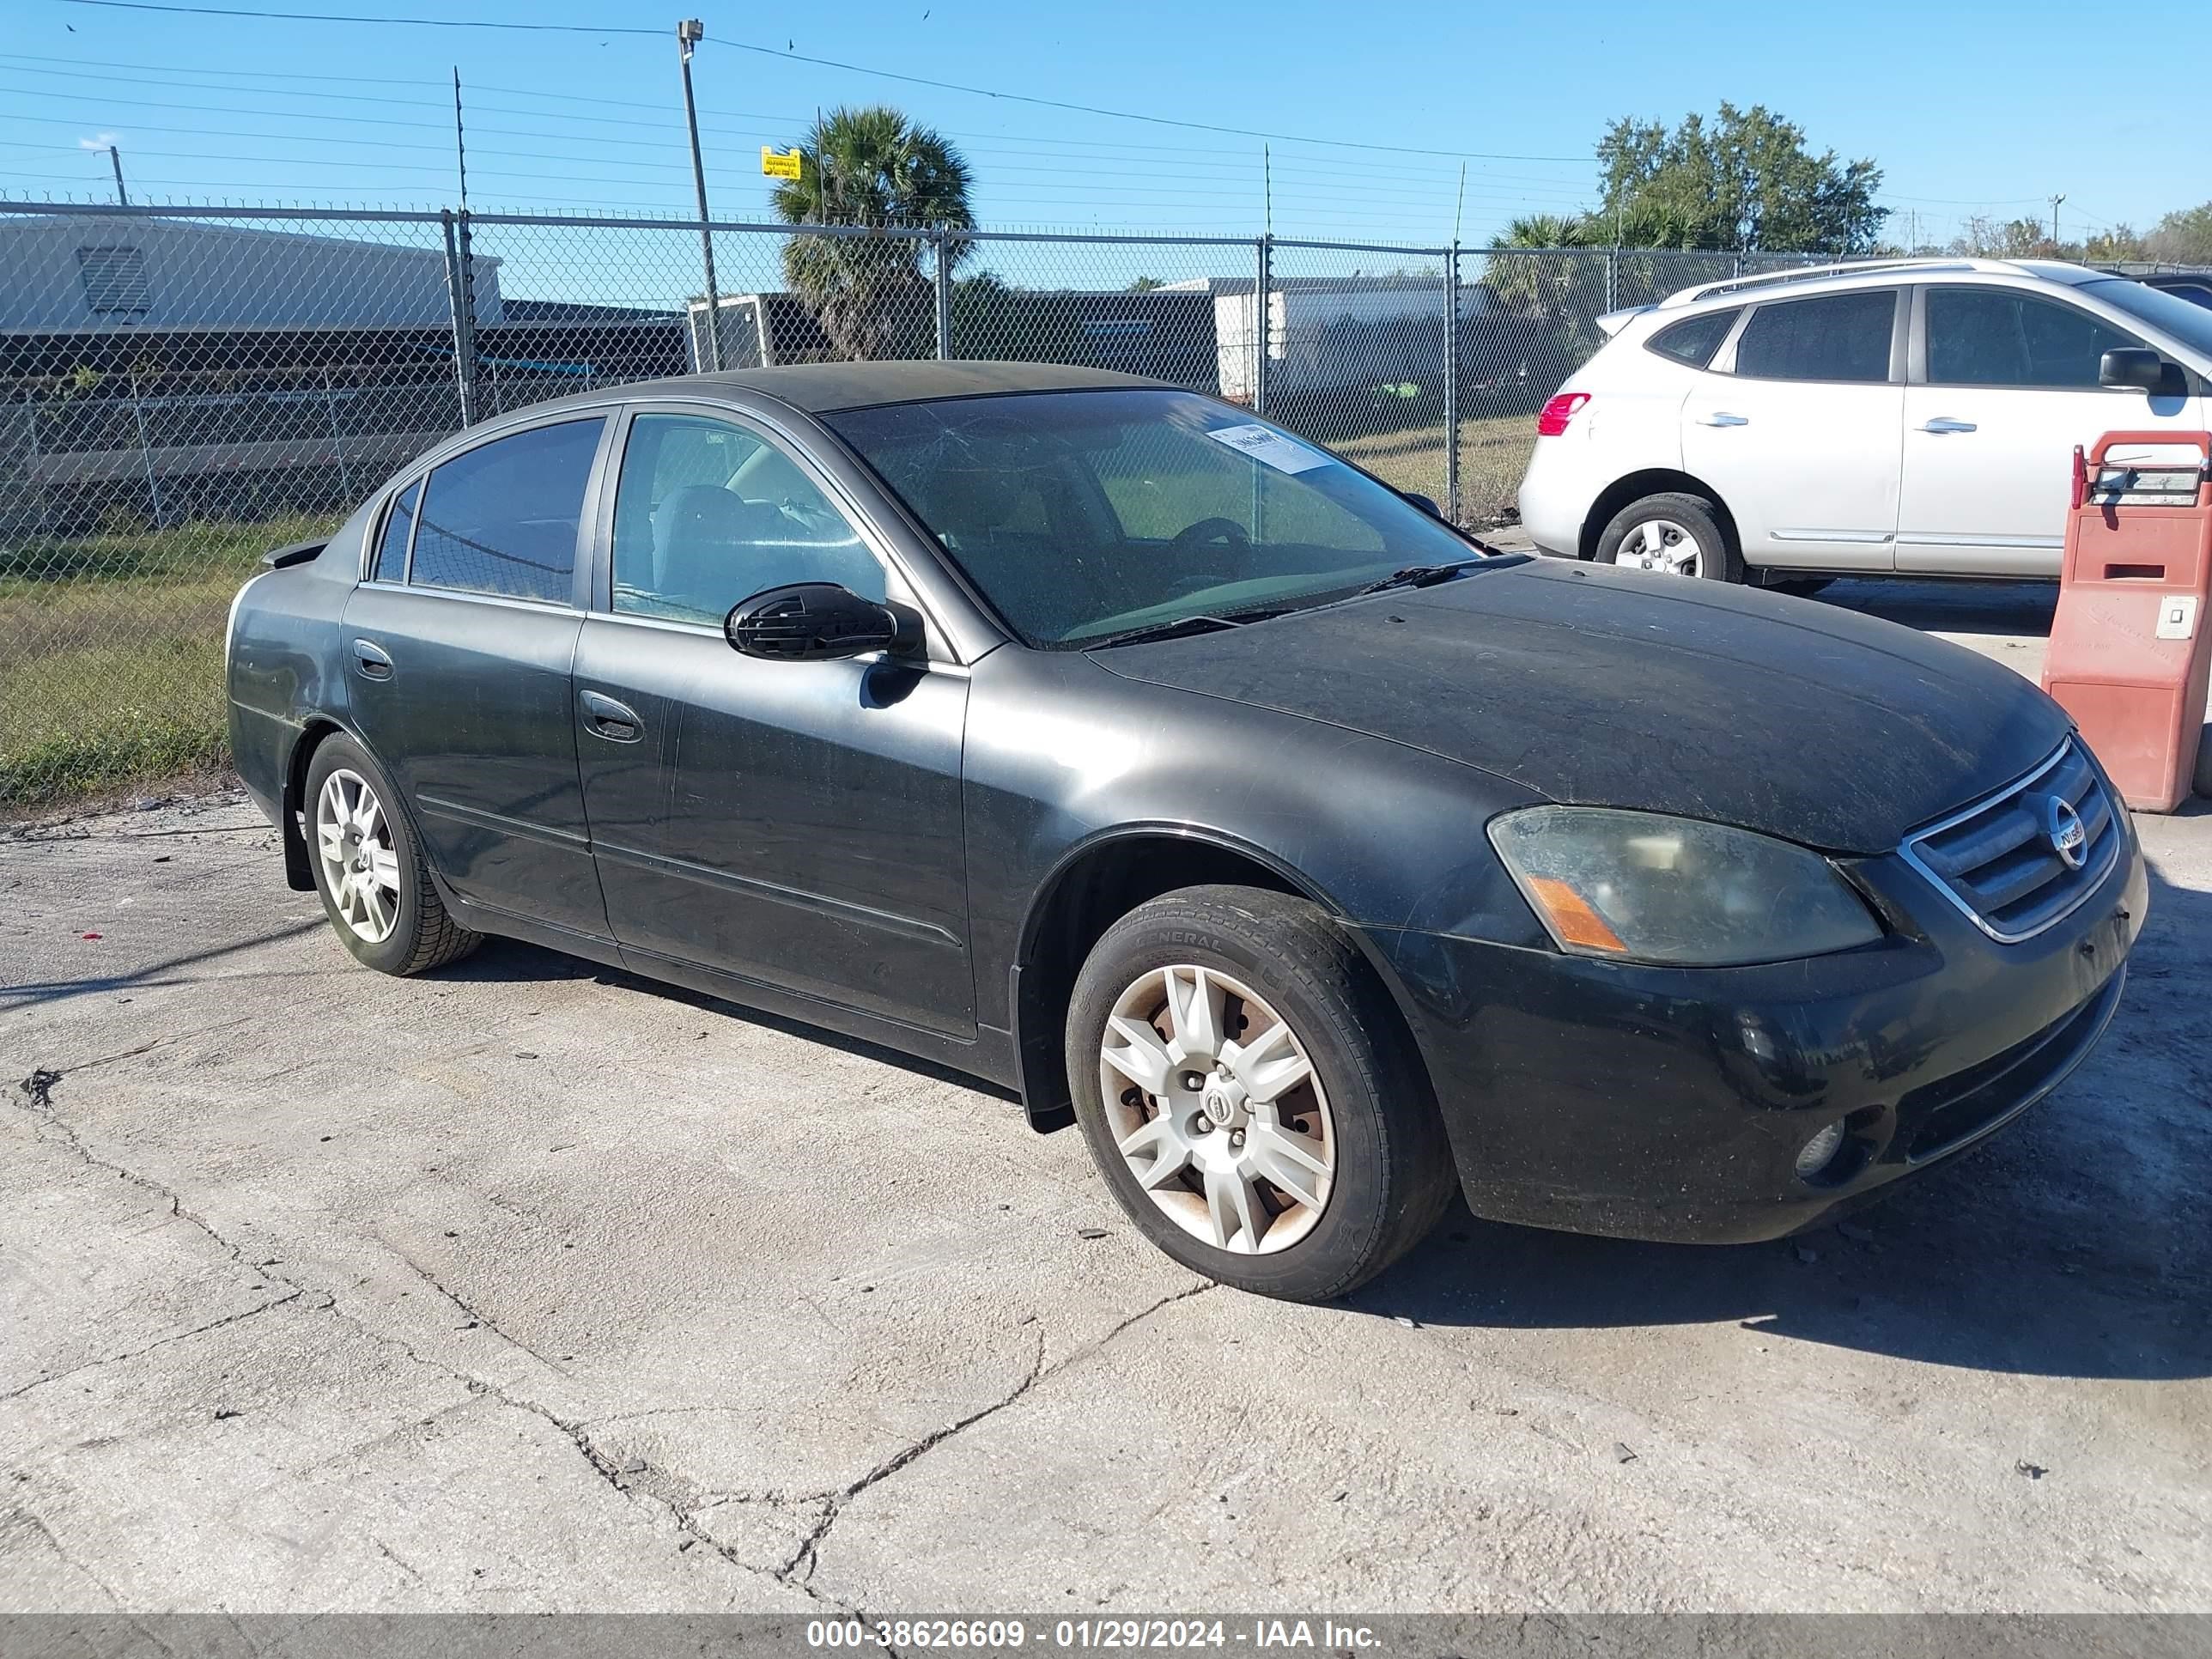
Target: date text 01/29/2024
{"x":1006,"y":1635}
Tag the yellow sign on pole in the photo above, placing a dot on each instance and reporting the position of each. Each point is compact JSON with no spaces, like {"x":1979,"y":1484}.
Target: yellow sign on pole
{"x":774,"y":164}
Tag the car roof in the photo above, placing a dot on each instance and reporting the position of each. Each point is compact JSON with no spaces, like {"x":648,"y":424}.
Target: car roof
{"x":826,"y":388}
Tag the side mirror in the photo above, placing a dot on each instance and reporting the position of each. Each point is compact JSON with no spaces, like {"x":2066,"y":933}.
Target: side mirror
{"x":819,"y":622}
{"x":2138,"y":368}
{"x":1426,"y":503}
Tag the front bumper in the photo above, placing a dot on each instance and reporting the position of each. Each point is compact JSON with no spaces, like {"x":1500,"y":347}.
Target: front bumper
{"x":1671,"y":1103}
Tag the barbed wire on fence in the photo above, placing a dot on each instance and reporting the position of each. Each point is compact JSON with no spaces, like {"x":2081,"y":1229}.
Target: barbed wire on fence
{"x":182,"y":387}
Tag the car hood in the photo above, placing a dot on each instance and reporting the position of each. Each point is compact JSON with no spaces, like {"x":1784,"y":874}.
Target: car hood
{"x":1599,"y":687}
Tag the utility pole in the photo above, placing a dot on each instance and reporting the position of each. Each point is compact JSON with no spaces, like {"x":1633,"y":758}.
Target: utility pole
{"x":689,"y":34}
{"x":2055,"y":201}
{"x":115,"y":160}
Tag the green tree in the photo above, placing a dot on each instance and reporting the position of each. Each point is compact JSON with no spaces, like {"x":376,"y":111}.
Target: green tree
{"x":873,"y":169}
{"x":2183,"y":236}
{"x":1745,"y":181}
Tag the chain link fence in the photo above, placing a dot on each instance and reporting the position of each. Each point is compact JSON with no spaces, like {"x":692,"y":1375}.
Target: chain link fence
{"x":182,"y":388}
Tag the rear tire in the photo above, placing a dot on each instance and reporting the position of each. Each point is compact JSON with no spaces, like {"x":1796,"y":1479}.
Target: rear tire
{"x":1357,"y":1101}
{"x":375,"y":887}
{"x":1674,"y":534}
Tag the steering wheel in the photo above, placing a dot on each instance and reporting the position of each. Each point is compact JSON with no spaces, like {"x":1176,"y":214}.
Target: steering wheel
{"x":1211,"y":530}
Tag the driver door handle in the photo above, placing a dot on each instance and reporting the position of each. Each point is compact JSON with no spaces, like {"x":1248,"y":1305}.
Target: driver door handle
{"x":605,"y":717}
{"x":371,"y":660}
{"x":1722,"y":418}
{"x":1944,"y":423}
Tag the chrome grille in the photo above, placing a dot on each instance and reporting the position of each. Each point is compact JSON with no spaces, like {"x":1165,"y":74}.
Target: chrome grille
{"x":2000,"y":861}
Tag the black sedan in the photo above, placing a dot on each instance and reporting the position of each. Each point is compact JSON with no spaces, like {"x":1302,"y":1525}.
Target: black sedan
{"x":1099,"y":739}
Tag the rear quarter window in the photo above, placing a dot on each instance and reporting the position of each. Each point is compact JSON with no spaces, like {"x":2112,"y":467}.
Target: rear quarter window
{"x":399,"y":524}
{"x":1694,"y":339}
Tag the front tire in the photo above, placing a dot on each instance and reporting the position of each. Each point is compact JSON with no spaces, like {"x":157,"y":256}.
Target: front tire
{"x":1671,"y":534}
{"x":375,"y":887}
{"x":1246,"y":1090}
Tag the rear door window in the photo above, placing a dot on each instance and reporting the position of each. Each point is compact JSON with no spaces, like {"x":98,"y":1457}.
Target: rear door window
{"x":1829,"y":336}
{"x":502,"y":518}
{"x":1993,"y":337}
{"x":1694,"y":339}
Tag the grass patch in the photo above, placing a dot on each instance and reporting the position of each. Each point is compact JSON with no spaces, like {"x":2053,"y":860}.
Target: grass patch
{"x":1493,"y":454}
{"x":110,"y":653}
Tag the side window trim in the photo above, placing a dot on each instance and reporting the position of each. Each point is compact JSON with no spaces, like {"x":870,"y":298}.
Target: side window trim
{"x":1917,"y":366}
{"x":600,"y":602}
{"x":1723,"y":362}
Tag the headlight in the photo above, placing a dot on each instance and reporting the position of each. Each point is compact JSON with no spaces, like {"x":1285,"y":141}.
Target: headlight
{"x":1647,"y":888}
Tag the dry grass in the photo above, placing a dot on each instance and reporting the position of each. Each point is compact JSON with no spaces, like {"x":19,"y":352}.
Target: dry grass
{"x":111,"y":654}
{"x":1493,"y":452}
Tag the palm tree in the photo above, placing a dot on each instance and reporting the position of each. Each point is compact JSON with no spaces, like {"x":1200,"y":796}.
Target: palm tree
{"x":873,"y":168}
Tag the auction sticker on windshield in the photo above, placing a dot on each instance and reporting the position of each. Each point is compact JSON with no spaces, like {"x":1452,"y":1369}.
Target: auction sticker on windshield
{"x":1271,"y":448}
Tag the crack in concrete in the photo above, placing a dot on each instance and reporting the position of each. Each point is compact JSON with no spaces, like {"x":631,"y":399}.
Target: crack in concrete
{"x":800,"y":1567}
{"x":796,"y":1572}
{"x":40,"y":1105}
{"x":135,"y":1353}
{"x":480,"y":1318}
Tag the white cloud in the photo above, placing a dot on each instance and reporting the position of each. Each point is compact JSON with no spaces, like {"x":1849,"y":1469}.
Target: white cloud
{"x":99,"y":141}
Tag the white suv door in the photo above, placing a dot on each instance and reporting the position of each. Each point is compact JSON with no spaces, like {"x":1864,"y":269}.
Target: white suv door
{"x":1796,"y":426}
{"x":2004,"y":386}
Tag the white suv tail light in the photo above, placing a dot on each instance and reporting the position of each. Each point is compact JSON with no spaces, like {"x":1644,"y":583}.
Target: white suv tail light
{"x":1556,"y":413}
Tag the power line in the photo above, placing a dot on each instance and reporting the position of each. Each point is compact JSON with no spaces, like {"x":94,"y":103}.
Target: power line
{"x":823,"y":63}
{"x":321,"y":17}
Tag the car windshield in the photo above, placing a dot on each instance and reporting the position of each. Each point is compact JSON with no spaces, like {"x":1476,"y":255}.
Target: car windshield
{"x":2169,"y":313}
{"x":1081,"y":515}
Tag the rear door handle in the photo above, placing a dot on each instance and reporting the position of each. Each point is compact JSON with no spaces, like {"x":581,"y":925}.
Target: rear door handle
{"x":1722,"y":418}
{"x":617,"y":722}
{"x":372,"y":660}
{"x":1945,"y":423}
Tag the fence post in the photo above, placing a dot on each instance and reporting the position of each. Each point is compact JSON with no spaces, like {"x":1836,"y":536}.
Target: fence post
{"x":1451,"y":383}
{"x":460,"y":296}
{"x":337,"y":444}
{"x":1613,"y":279}
{"x":1263,"y":288}
{"x":943,"y":295}
{"x":146,"y":457}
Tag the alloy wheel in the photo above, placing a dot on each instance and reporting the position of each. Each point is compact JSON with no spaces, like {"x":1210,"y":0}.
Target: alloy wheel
{"x":1663,"y":546}
{"x":1217,"y":1109}
{"x":361,"y":867}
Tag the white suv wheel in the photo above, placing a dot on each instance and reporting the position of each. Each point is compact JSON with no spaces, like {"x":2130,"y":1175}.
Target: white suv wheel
{"x":1662,"y":546}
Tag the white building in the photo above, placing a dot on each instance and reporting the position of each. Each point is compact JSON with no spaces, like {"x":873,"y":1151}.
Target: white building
{"x":1309,"y":318}
{"x":85,"y":272}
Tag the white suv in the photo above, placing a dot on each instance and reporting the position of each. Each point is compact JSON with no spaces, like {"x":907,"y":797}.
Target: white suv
{"x":1908,"y":418}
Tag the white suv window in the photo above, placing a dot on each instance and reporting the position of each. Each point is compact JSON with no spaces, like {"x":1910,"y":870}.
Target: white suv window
{"x":1829,"y":337}
{"x":1997,"y":337}
{"x":1694,"y":339}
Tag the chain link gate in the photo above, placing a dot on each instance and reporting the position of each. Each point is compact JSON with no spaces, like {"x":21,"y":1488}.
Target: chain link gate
{"x":182,"y":388}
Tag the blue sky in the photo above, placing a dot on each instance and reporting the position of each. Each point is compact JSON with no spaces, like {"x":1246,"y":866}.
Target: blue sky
{"x":1967,"y":107}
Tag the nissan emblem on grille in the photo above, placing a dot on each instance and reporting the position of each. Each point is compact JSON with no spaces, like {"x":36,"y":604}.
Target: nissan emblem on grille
{"x":2019,"y":860}
{"x":2063,"y":825}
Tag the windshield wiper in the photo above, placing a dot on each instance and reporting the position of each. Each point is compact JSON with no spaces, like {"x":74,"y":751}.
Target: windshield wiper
{"x":1428,"y":575}
{"x":1180,"y":627}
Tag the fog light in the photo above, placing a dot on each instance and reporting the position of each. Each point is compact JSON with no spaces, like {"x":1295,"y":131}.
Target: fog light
{"x":1820,"y":1150}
